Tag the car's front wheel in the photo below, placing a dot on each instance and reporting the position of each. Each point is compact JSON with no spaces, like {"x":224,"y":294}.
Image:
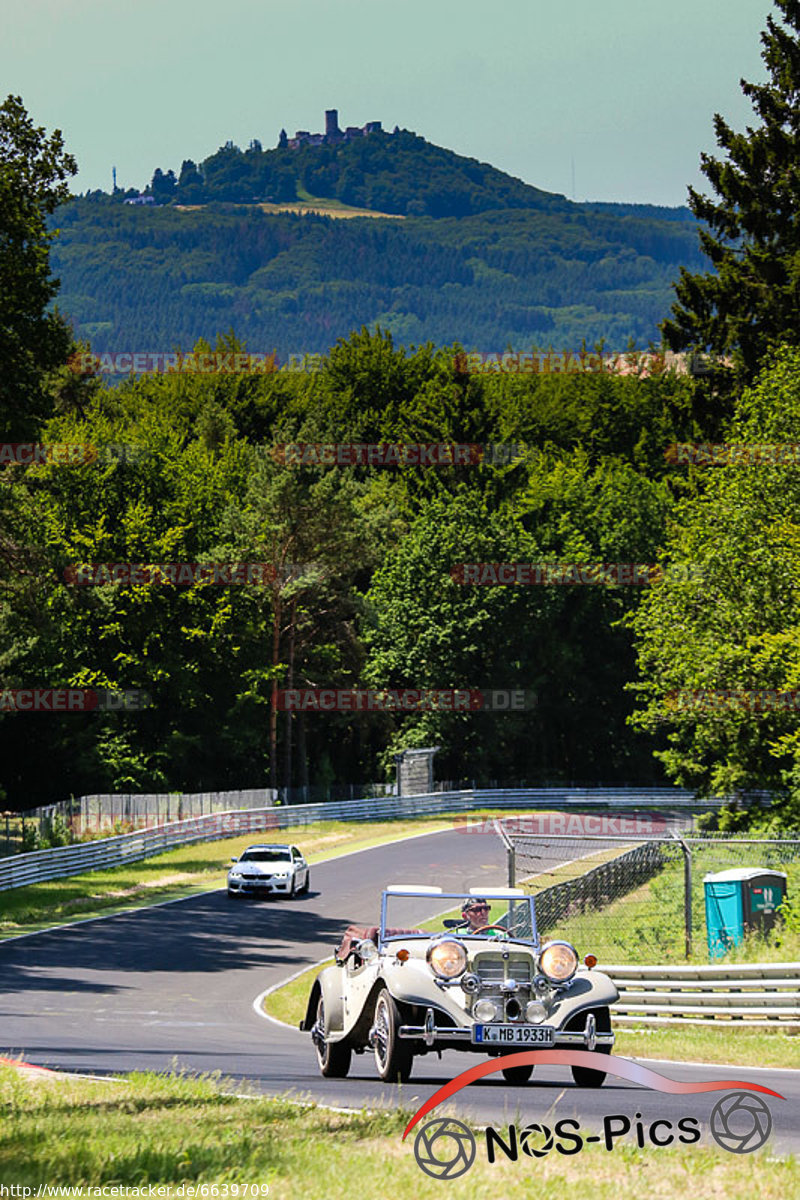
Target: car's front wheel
{"x":517,"y":1075}
{"x":333,"y":1057}
{"x":588,"y":1077}
{"x":393,"y":1058}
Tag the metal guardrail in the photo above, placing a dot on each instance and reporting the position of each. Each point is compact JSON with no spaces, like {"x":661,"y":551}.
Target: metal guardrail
{"x":737,"y":996}
{"x":39,"y":865}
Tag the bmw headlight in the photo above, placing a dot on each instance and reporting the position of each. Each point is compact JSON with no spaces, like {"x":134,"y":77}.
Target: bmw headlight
{"x":558,"y":961}
{"x":446,"y":958}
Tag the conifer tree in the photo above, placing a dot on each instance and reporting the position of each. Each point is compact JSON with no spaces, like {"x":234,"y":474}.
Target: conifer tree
{"x":751,"y":233}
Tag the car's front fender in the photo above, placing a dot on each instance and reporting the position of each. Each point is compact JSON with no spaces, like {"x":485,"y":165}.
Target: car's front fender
{"x":412,"y":982}
{"x":329,"y":985}
{"x":589,"y":989}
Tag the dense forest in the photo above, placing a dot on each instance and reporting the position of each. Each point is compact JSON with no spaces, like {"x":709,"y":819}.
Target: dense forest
{"x":478,"y":257}
{"x":379,"y":608}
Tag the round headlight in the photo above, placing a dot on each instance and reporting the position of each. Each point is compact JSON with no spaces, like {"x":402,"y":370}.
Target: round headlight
{"x":447,"y":958}
{"x":535,"y":1012}
{"x":558,"y":961}
{"x":485,"y":1010}
{"x":366,"y":949}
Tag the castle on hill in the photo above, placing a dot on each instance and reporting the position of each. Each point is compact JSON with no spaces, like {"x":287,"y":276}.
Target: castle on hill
{"x":333,"y":135}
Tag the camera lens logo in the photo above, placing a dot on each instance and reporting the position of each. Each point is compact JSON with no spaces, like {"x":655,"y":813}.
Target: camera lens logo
{"x":444,"y":1148}
{"x":741,"y":1122}
{"x":536,"y":1140}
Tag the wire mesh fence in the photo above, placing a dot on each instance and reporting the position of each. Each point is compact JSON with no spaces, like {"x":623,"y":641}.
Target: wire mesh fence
{"x":641,"y":898}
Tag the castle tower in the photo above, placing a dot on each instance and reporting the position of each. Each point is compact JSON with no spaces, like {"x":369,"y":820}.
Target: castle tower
{"x":332,"y":129}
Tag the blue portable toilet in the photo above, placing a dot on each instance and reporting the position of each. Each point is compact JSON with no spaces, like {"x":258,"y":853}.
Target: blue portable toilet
{"x":738,"y":900}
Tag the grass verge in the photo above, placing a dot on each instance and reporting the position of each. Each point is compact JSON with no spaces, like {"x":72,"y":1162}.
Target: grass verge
{"x":647,"y":924}
{"x":148,"y":1129}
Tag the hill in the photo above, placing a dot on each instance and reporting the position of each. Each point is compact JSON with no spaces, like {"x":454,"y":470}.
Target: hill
{"x":480,"y":258}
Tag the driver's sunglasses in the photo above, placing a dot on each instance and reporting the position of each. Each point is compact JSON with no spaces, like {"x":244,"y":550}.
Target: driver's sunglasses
{"x":479,"y":908}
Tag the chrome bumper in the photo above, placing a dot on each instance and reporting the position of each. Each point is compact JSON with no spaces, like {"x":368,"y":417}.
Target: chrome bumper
{"x":588,"y":1038}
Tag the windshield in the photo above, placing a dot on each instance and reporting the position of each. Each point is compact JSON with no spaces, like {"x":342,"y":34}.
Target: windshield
{"x":266,"y":856}
{"x":409,"y":915}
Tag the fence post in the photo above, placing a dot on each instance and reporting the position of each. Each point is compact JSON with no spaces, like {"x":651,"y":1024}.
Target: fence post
{"x":511,"y":854}
{"x":687,"y":893}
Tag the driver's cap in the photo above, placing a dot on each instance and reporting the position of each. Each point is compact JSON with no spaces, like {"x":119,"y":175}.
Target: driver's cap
{"x":473,"y":902}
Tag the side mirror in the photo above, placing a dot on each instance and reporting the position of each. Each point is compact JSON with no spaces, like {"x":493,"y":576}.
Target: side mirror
{"x":234,"y":859}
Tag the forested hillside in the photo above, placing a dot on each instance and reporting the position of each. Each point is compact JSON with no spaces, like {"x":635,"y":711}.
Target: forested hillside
{"x":159,"y":278}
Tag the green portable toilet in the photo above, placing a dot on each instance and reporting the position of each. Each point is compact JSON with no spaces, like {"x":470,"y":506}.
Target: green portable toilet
{"x":739,"y":900}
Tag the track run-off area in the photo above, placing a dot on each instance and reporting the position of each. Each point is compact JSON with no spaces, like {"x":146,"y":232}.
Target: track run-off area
{"x":172,"y":987}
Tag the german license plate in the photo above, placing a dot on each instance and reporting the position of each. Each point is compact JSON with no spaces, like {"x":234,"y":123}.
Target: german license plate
{"x":513,"y":1035}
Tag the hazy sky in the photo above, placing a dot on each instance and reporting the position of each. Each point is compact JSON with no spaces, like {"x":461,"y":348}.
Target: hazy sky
{"x":625,"y":89}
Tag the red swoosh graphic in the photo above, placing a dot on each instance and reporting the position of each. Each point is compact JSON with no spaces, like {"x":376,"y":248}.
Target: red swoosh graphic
{"x":622,"y":1067}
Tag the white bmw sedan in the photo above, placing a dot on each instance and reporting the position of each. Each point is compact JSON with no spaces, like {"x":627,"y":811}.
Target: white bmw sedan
{"x":265,"y":869}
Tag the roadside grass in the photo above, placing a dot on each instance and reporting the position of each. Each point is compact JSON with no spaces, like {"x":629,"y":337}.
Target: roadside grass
{"x":647,"y":925}
{"x":147,"y":1129}
{"x":188,"y":870}
{"x":749,"y":1048}
{"x":571,"y":869}
{"x":703,"y":1043}
{"x":288,"y":1003}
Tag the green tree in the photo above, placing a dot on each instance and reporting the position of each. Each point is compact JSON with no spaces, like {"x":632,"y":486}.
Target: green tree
{"x":751,"y":233}
{"x":724,"y":625}
{"x":33,"y":341}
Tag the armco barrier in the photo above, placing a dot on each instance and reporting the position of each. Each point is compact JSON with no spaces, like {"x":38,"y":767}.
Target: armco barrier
{"x":39,"y":865}
{"x":738,"y":996}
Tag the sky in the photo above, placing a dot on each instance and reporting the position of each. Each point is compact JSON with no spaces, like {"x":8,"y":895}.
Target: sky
{"x":611,"y":101}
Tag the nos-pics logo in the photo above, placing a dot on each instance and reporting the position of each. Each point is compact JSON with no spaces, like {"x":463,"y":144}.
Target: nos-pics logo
{"x":445,"y":1148}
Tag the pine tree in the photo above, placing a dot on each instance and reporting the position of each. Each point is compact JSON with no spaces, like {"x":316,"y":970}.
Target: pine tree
{"x":752,"y":233}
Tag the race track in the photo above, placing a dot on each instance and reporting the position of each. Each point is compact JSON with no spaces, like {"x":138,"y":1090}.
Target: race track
{"x":173,"y":986}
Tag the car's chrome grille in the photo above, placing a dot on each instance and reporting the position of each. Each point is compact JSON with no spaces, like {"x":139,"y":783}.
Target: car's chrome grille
{"x":492,"y":969}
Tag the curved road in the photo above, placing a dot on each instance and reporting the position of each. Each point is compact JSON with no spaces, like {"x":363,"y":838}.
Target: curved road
{"x":174,"y":985}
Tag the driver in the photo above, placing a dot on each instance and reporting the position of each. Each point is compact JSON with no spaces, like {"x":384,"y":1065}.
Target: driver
{"x":475,"y":912}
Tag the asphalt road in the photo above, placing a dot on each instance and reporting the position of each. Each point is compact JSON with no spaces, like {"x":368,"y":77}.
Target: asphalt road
{"x":174,"y":986}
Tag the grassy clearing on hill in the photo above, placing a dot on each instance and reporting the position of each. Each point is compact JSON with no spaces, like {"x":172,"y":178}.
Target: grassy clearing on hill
{"x":148,"y":1129}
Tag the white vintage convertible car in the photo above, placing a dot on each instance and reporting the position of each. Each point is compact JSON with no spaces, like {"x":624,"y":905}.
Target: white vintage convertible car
{"x":474,"y":977}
